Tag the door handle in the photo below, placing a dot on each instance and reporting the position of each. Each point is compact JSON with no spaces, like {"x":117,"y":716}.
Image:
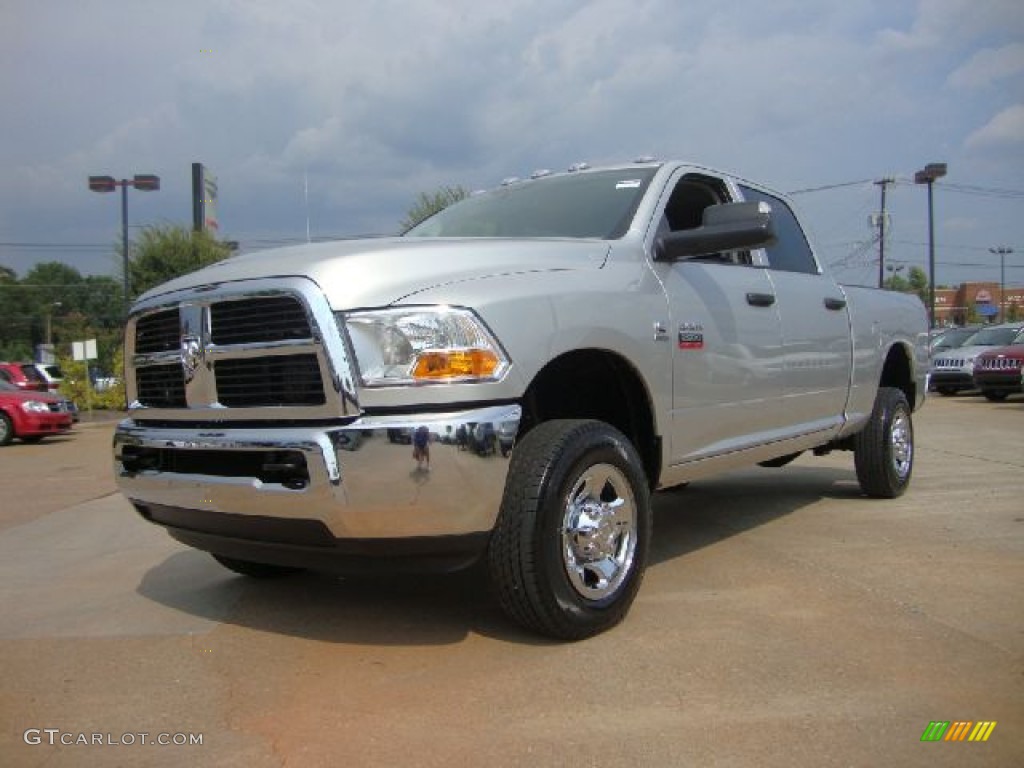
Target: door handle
{"x":832,"y":303}
{"x":760,"y":299}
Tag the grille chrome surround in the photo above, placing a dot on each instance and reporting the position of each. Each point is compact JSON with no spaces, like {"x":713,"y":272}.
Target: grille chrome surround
{"x":263,"y":349}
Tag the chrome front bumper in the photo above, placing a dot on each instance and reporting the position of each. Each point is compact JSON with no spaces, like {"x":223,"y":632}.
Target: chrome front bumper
{"x":354,"y":482}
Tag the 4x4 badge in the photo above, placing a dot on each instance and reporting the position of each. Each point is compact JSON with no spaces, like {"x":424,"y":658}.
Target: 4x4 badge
{"x":191,"y":356}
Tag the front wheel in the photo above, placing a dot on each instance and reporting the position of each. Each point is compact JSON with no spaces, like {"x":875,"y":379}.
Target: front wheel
{"x":6,"y":429}
{"x":995,"y":396}
{"x":884,"y":448}
{"x":570,"y":546}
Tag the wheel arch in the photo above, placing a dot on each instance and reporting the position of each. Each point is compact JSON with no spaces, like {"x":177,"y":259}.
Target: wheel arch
{"x":594,"y":383}
{"x":898,"y":371}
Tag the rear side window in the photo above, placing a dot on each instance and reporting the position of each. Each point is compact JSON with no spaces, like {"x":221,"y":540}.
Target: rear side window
{"x":31,"y":373}
{"x":791,"y":253}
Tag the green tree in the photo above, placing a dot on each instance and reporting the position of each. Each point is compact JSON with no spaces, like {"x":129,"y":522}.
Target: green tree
{"x":430,"y":203}
{"x":165,"y":252}
{"x":15,"y":318}
{"x":896,"y":282}
{"x":915,"y":282}
{"x":918,"y":283}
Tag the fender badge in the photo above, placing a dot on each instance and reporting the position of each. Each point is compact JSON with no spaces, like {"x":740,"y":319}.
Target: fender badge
{"x":691,"y":336}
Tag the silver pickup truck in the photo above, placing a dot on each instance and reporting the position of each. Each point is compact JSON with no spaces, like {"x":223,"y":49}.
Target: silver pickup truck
{"x":507,"y":384}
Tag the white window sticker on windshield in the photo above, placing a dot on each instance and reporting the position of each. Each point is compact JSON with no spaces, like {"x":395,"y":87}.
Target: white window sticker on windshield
{"x":628,"y":184}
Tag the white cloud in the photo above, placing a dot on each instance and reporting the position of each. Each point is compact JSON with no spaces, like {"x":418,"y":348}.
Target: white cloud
{"x":1006,"y":128}
{"x":989,"y":65}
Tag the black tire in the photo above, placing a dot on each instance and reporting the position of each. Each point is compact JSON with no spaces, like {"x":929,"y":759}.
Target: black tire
{"x":995,"y":396}
{"x":6,"y":429}
{"x":884,"y":449}
{"x":571,"y":543}
{"x":255,"y":570}
{"x":33,"y":439}
{"x":948,"y":391}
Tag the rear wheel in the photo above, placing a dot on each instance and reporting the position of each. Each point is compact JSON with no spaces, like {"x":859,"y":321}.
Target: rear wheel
{"x":948,"y":391}
{"x":570,"y":546}
{"x":995,"y":396}
{"x":255,"y":570}
{"x":884,"y":449}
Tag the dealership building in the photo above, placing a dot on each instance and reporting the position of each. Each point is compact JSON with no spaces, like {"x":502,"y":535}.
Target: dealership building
{"x":978,"y":303}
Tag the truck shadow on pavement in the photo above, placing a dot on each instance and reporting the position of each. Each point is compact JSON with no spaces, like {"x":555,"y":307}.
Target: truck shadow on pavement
{"x":442,"y":609}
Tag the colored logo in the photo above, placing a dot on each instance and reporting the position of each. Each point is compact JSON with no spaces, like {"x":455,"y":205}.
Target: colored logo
{"x":958,"y":730}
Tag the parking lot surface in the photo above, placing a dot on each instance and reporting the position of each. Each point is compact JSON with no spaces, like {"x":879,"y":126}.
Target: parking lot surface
{"x":785,"y":621}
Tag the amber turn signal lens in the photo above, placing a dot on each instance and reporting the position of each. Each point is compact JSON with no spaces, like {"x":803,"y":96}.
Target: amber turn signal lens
{"x":455,"y":364}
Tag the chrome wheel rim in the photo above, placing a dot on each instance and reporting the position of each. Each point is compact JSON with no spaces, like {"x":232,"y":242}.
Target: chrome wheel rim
{"x":901,"y":440}
{"x":599,"y":532}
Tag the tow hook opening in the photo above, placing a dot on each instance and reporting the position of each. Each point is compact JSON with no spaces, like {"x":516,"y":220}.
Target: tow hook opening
{"x":286,"y":468}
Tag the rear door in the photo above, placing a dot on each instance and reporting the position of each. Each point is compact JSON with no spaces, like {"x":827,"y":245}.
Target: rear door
{"x":817,"y":347}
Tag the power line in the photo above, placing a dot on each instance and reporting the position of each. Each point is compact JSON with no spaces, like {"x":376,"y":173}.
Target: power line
{"x":831,"y":186}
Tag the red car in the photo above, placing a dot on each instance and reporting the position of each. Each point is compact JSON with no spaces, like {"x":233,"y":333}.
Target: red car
{"x":997,"y":373}
{"x":30,"y":416}
{"x":24,"y":376}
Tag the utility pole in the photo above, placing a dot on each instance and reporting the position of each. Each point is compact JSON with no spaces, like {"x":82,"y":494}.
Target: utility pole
{"x":1002,"y":252}
{"x":883,"y":183}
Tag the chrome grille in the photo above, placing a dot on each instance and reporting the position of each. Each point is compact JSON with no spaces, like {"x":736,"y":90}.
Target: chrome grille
{"x":999,"y":364}
{"x":161,"y":386}
{"x":215,"y":352}
{"x":254,"y":382}
{"x":158,"y":332}
{"x":256,"y":321}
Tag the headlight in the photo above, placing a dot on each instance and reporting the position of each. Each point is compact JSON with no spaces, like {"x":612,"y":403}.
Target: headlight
{"x":423,"y":345}
{"x":35,"y":406}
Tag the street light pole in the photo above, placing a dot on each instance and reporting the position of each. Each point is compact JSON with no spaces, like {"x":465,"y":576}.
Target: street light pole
{"x":143,"y":182}
{"x":1002,"y":252}
{"x":928,"y":175}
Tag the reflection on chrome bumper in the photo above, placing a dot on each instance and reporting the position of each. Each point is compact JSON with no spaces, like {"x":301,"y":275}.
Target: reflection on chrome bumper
{"x":379,"y":477}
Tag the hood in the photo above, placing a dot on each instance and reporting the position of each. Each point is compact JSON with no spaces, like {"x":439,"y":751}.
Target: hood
{"x":369,"y":273}
{"x":24,"y":394}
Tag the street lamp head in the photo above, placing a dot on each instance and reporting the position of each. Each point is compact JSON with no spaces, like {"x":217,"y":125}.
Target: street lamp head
{"x":146,"y":182}
{"x":102,"y":183}
{"x":930,"y":173}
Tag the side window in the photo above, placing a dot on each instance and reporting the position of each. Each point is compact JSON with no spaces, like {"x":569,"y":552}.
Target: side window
{"x":685,"y":210}
{"x":791,"y":253}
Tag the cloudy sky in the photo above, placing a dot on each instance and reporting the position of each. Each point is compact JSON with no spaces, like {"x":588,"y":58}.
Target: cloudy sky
{"x":375,"y":102}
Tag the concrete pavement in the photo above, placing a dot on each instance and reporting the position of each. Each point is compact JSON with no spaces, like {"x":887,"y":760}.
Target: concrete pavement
{"x":785,"y":621}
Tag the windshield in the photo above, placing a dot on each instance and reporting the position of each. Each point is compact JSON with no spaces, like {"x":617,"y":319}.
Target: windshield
{"x":954,"y":338}
{"x":594,"y":204}
{"x":992,"y":337}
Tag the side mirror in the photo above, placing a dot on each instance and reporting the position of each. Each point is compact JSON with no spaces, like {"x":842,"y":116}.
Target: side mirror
{"x":725,"y":227}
